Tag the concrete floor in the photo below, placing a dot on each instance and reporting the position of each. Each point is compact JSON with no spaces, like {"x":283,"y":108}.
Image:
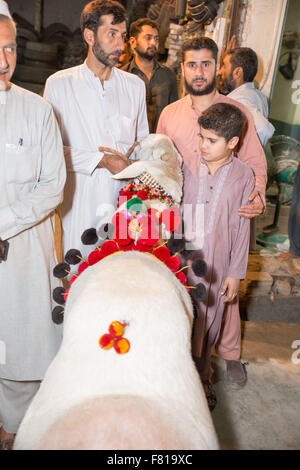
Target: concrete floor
{"x":265,"y":414}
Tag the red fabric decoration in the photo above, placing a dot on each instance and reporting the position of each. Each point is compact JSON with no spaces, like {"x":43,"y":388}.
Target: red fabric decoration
{"x":66,"y":294}
{"x":82,"y":267}
{"x":139,"y":231}
{"x":108,"y":248}
{"x":94,"y":257}
{"x":162,"y":253}
{"x":181,"y":277}
{"x":121,"y":345}
{"x":170,"y":218}
{"x":106,"y":341}
{"x":73,"y":279}
{"x":114,"y":338}
{"x":142,"y":194}
{"x":173,"y":263}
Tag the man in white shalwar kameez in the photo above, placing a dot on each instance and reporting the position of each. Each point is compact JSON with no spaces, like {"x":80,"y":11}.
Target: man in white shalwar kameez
{"x":32,"y":177}
{"x":97,"y":105}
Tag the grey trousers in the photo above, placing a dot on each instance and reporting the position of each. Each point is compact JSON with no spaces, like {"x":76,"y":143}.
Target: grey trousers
{"x":15,"y":398}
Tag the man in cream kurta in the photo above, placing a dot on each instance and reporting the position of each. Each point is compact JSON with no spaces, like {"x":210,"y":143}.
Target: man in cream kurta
{"x":32,"y":177}
{"x":96,"y":106}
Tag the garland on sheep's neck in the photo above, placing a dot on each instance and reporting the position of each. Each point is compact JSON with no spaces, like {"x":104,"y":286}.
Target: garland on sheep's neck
{"x":132,"y":221}
{"x":150,"y":181}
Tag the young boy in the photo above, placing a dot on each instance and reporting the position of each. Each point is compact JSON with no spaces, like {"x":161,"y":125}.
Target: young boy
{"x":212,"y":197}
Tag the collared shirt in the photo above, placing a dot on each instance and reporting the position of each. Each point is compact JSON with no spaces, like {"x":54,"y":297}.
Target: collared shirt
{"x":256,"y":102}
{"x":161,"y":90}
{"x":179,"y":121}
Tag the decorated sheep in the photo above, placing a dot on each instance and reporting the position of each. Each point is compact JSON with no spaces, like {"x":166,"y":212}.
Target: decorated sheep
{"x":124,"y":377}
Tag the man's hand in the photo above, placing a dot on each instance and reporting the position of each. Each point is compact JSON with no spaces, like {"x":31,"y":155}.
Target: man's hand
{"x":255,"y":208}
{"x":231,"y":45}
{"x":230,"y":289}
{"x":113,"y":163}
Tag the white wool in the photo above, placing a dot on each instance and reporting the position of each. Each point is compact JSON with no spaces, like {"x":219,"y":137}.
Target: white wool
{"x":157,"y":373}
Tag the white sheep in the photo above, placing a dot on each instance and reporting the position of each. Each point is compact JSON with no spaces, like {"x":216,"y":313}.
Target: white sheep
{"x":148,"y":398}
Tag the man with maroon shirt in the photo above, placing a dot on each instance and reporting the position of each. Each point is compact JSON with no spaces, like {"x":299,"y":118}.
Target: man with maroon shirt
{"x":179,"y":121}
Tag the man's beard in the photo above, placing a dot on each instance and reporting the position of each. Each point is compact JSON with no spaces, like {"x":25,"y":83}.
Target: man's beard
{"x":227,"y":85}
{"x":197,"y":92}
{"x":146,"y":55}
{"x":105,"y":58}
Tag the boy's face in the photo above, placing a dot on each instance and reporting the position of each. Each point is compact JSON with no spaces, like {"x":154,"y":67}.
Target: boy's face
{"x":214,"y":148}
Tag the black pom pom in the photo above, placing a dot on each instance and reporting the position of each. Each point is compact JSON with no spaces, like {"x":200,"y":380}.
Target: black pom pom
{"x":58,"y":295}
{"x":72,"y":256}
{"x":199,"y":267}
{"x":176,"y":245}
{"x":106,"y":231}
{"x":61,"y":270}
{"x":199,"y":293}
{"x":58,"y":315}
{"x":89,"y":237}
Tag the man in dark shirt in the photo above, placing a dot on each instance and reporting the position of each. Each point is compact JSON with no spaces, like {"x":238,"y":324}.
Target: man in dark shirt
{"x":160,"y":81}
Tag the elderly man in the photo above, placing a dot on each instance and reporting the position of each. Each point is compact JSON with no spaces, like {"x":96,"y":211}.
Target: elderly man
{"x":179,"y":121}
{"x":237,"y":74}
{"x":160,"y":81}
{"x":101,"y":111}
{"x":32,"y":177}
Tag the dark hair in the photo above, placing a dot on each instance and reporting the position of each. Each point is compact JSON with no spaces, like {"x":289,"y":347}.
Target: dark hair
{"x":247,"y":59}
{"x":92,"y":12}
{"x":136,"y":26}
{"x":224,"y":119}
{"x":197,"y":43}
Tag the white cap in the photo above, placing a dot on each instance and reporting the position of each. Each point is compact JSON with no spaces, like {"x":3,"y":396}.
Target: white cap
{"x":4,"y":9}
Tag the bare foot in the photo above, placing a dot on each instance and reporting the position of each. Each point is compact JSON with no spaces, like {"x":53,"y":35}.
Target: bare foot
{"x":287,"y":256}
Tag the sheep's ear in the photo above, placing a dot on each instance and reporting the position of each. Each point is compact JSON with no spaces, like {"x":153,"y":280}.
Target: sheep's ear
{"x":170,"y":155}
{"x":131,"y":171}
{"x":165,"y":157}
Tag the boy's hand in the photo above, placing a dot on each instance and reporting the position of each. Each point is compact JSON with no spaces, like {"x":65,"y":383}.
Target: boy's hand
{"x":230,"y":289}
{"x":255,"y":208}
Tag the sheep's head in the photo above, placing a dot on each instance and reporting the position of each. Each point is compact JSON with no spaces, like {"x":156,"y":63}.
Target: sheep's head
{"x":158,"y":157}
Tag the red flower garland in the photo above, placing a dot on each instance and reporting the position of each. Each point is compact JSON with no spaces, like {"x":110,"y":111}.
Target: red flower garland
{"x":138,"y":231}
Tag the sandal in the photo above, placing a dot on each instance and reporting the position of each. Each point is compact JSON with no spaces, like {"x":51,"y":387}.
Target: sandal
{"x":210,"y":394}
